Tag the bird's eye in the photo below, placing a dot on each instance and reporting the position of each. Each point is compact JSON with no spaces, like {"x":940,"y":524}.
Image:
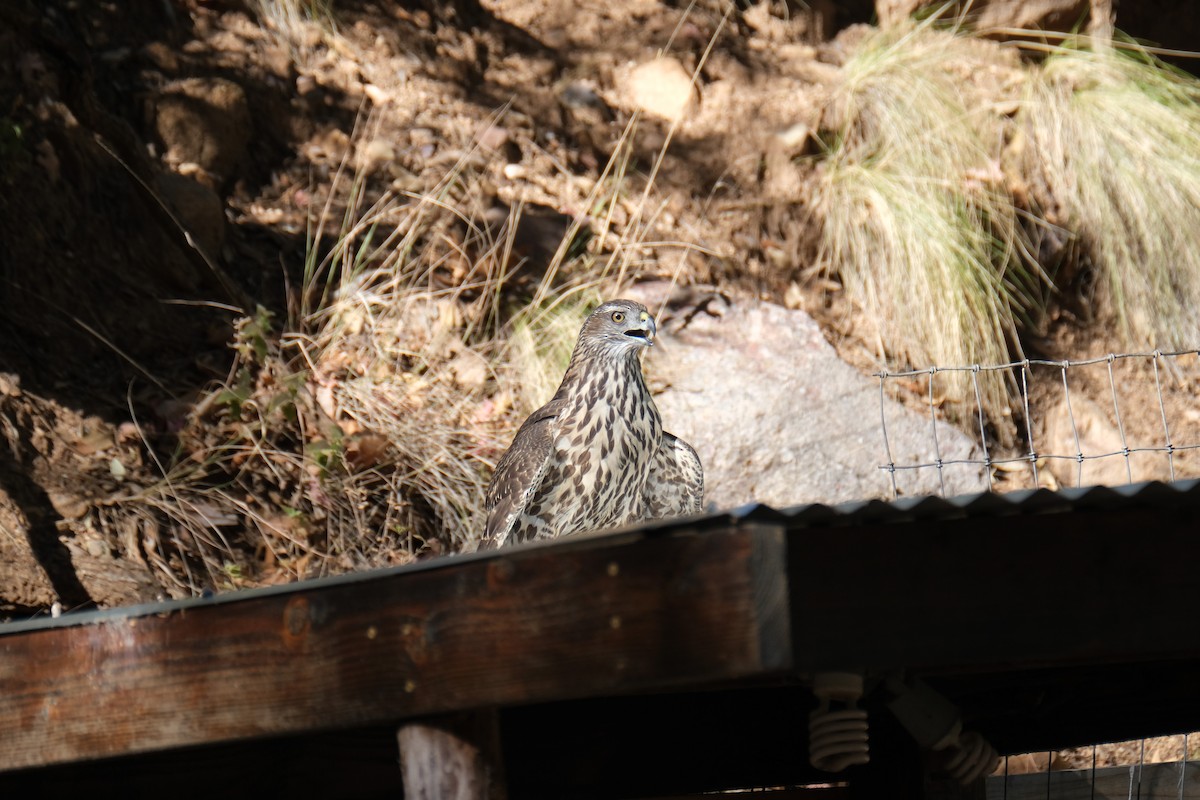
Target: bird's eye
{"x":618,"y":317}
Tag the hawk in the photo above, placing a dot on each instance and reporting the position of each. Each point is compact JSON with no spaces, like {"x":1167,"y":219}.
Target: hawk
{"x":596,"y":455}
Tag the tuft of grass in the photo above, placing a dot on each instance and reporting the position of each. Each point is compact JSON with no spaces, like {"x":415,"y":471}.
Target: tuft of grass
{"x":299,"y":24}
{"x":917,"y":222}
{"x":1114,"y":136}
{"x":289,"y":15}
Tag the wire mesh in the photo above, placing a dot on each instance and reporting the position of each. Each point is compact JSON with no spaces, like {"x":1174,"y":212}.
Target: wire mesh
{"x":1140,"y":439}
{"x":1117,"y":418}
{"x":1161,"y":768}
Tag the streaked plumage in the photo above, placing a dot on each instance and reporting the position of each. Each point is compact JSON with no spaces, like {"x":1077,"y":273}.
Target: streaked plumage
{"x":596,"y":455}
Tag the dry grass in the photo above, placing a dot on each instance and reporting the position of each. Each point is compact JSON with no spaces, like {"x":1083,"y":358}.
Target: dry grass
{"x":917,"y":206}
{"x":917,"y":222}
{"x":301,"y":26}
{"x":360,"y":430}
{"x":1114,"y":136}
{"x":291,"y":19}
{"x":539,"y":347}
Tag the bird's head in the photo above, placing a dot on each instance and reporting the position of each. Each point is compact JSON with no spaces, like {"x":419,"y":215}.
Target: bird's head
{"x":618,"y":327}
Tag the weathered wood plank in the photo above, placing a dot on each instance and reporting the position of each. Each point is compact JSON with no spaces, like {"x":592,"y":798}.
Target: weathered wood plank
{"x":599,"y":615}
{"x":1172,"y":781}
{"x":438,"y":765}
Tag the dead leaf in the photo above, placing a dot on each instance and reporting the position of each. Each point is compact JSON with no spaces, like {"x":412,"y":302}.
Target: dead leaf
{"x":367,"y":450}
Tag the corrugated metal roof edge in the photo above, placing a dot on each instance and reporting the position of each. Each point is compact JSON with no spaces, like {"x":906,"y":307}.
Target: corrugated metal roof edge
{"x":1027,"y":501}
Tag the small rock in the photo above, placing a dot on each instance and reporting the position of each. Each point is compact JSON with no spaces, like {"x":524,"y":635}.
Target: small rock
{"x":67,"y":504}
{"x":375,"y":154}
{"x":581,"y":95}
{"x":277,"y":59}
{"x":161,"y":56}
{"x":783,"y":180}
{"x":759,"y":17}
{"x":329,"y":146}
{"x":305,"y":85}
{"x":795,"y":137}
{"x":422,"y":136}
{"x":128,"y":432}
{"x":662,"y":88}
{"x":377,"y":96}
{"x":794,"y":297}
{"x":205,"y":121}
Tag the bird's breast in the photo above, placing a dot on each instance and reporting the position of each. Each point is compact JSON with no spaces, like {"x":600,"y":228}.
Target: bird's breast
{"x":602,"y":453}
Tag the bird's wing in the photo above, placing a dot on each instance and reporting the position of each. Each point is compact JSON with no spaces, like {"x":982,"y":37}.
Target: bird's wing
{"x":675,"y":485}
{"x":519,"y":473}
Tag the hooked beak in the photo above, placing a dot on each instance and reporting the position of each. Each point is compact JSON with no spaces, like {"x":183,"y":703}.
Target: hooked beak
{"x":644,"y":334}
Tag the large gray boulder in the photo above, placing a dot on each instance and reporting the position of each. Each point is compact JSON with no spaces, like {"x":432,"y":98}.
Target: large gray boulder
{"x":779,"y":419}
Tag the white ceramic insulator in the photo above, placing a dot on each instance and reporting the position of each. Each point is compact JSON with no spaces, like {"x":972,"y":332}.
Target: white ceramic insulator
{"x":837,"y":739}
{"x":971,"y":758}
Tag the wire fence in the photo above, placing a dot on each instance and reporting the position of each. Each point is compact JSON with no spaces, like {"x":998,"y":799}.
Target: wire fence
{"x":1117,"y":418}
{"x":1164,"y":424}
{"x":1161,"y":768}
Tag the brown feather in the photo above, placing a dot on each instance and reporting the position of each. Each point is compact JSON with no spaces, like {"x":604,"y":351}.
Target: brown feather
{"x":595,"y":456}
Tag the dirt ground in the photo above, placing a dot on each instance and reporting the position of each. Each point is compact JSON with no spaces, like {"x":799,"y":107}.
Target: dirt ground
{"x":163,"y":164}
{"x":157,"y":200}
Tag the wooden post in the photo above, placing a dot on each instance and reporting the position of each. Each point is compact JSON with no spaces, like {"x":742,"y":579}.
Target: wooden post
{"x":455,"y":758}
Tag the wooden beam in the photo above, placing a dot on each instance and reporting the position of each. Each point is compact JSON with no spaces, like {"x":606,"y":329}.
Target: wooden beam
{"x":599,"y":615}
